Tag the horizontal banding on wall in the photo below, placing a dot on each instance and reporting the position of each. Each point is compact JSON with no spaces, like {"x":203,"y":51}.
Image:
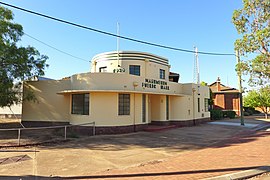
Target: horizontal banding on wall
{"x":130,"y":55}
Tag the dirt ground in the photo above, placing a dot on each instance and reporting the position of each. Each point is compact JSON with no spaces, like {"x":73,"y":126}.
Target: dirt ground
{"x":9,"y":134}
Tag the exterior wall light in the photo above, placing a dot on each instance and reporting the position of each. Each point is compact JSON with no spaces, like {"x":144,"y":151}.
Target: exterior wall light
{"x":135,"y":84}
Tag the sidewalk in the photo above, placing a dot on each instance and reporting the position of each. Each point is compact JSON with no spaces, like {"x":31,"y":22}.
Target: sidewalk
{"x":247,"y":151}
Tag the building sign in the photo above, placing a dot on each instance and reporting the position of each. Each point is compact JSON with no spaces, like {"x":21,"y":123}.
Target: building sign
{"x":119,"y":70}
{"x":153,"y":84}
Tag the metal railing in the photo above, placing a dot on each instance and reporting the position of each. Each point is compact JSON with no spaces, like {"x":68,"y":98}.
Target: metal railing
{"x":49,"y":127}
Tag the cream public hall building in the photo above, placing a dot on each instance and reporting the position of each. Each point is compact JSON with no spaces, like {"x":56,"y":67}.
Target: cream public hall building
{"x":123,"y":92}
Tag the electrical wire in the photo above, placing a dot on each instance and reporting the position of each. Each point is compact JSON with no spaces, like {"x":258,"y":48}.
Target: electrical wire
{"x":115,"y":35}
{"x":55,"y":48}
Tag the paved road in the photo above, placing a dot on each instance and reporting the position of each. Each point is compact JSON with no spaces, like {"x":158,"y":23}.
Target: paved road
{"x":191,"y":152}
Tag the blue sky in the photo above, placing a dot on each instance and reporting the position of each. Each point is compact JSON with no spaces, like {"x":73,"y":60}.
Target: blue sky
{"x":183,"y":24}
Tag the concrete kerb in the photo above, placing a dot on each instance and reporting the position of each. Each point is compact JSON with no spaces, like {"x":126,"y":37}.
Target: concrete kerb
{"x":262,"y":126}
{"x":243,"y":174}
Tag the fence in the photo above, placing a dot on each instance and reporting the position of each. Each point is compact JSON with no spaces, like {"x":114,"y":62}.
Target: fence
{"x":33,"y":135}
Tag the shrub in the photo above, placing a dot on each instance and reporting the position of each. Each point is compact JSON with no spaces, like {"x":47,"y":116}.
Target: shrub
{"x":216,"y":114}
{"x":229,"y":114}
{"x":251,"y":110}
{"x":256,"y":112}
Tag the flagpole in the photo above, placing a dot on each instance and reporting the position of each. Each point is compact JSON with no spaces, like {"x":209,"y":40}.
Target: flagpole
{"x":118,"y":42}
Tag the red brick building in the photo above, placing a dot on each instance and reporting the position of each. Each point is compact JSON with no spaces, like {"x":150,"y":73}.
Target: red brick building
{"x":224,"y":97}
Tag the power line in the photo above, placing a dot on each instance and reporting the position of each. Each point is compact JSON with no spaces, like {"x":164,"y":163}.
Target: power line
{"x":55,"y":48}
{"x":115,"y":35}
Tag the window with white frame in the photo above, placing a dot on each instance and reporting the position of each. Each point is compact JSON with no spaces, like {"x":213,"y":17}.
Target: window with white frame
{"x":124,"y":104}
{"x":135,"y":70}
{"x":206,"y":104}
{"x":199,"y":105}
{"x":167,"y":107}
{"x":80,"y":104}
{"x":103,"y":69}
{"x":161,"y":73}
{"x":143,"y":108}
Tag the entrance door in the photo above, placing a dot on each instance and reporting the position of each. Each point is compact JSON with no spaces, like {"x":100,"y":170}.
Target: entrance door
{"x":157,"y":107}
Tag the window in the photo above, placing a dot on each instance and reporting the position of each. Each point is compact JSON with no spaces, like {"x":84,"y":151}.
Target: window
{"x":206,"y":104}
{"x":199,"y":107}
{"x":161,"y":73}
{"x":124,"y":104}
{"x":80,"y":104}
{"x":135,"y":70}
{"x":143,"y":108}
{"x":103,"y":69}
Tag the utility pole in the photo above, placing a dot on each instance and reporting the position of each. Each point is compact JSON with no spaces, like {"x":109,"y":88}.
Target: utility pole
{"x":240,"y":89}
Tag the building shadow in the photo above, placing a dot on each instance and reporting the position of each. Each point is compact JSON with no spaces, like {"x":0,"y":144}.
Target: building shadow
{"x":174,"y":140}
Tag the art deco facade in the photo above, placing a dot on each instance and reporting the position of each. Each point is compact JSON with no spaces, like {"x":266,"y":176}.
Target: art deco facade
{"x":124,"y":91}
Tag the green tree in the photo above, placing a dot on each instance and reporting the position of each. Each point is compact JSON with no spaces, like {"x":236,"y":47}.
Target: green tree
{"x":253,"y":23}
{"x":259,"y":99}
{"x":16,"y":63}
{"x":204,"y":83}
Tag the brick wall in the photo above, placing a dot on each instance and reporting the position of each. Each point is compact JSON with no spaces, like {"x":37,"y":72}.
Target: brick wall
{"x":228,"y":101}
